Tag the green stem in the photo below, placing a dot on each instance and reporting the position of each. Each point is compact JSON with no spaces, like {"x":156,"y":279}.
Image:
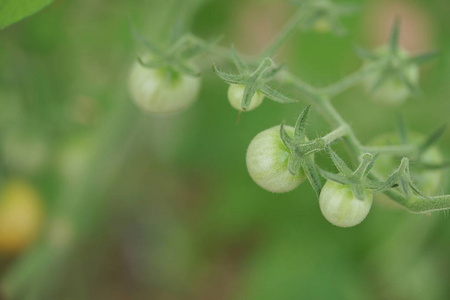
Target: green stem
{"x":299,"y":85}
{"x":400,"y":150}
{"x":336,"y":134}
{"x":330,"y":113}
{"x":347,"y":82}
{"x":283,"y":35}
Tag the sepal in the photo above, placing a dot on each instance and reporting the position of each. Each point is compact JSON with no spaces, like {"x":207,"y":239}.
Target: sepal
{"x":177,"y":56}
{"x":256,"y":81}
{"x":401,"y":178}
{"x":357,"y":180}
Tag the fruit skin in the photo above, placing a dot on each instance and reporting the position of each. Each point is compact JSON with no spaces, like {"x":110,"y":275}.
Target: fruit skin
{"x":161,"y":90}
{"x":393,"y":91}
{"x":267,"y":162}
{"x":340,"y":207}
{"x":429,"y":182}
{"x":235,"y":94}
{"x":21,"y":216}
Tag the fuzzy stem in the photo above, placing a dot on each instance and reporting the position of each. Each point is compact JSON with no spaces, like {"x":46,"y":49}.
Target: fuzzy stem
{"x":347,"y":82}
{"x":283,"y":35}
{"x":336,"y":134}
{"x":400,"y":150}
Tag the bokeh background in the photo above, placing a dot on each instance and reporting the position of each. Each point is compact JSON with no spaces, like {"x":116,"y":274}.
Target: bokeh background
{"x":101,"y":201}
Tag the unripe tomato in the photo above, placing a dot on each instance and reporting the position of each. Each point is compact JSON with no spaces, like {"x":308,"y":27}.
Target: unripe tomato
{"x":340,"y":207}
{"x":235,"y":94}
{"x":393,"y":91}
{"x":161,"y":90}
{"x":428,"y":181}
{"x":267,"y":162}
{"x":21,"y":216}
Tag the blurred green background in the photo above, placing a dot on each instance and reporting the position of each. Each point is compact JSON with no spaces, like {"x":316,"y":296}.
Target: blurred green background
{"x":116,"y":204}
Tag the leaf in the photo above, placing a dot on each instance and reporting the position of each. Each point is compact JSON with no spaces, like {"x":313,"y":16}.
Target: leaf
{"x":12,"y":11}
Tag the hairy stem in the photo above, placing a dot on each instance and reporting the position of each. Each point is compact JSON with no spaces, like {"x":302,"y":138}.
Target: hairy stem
{"x":336,"y":134}
{"x":347,"y":82}
{"x":283,"y":35}
{"x":400,"y":150}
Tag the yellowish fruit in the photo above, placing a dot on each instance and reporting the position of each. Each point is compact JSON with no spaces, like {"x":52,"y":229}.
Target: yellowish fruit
{"x":21,"y":215}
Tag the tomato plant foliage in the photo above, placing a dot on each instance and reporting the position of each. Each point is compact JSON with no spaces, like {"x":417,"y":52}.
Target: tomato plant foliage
{"x":12,"y":11}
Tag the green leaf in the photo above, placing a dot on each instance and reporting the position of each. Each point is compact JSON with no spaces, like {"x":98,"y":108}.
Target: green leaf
{"x":12,"y":11}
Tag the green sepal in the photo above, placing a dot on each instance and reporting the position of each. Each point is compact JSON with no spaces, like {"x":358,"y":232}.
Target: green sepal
{"x":401,"y":178}
{"x":301,"y":149}
{"x":146,"y":43}
{"x":256,"y":81}
{"x":275,"y":95}
{"x":395,"y":35}
{"x":229,"y":78}
{"x":249,"y":91}
{"x":238,"y":62}
{"x":339,"y":163}
{"x":423,"y":58}
{"x":285,"y":138}
{"x":294,"y":165}
{"x":313,"y":10}
{"x":176,"y":56}
{"x":334,"y":177}
{"x":412,"y":88}
{"x":301,"y":124}
{"x":312,"y":174}
{"x":357,"y":180}
{"x":365,"y":54}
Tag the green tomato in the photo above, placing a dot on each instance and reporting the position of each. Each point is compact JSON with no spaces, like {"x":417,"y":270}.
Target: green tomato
{"x":428,"y":181}
{"x":161,"y":90}
{"x":267,"y":162}
{"x":236,"y":93}
{"x":340,"y":206}
{"x":393,"y":91}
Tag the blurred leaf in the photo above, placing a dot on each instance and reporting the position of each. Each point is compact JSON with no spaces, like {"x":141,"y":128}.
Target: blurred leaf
{"x":12,"y":11}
